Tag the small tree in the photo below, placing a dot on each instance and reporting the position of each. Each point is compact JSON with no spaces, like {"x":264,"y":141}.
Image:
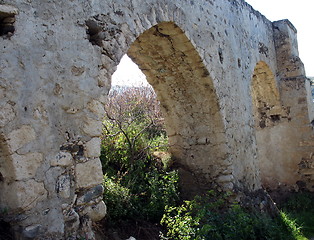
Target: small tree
{"x":136,"y":184}
{"x":133,"y":117}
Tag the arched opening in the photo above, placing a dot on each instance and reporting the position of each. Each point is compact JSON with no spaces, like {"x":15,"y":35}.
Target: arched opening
{"x":188,"y":103}
{"x":265,"y":96}
{"x":189,"y":107}
{"x":268,"y":115}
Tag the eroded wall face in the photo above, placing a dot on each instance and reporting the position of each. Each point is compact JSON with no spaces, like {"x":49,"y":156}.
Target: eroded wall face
{"x":283,"y":127}
{"x":56,"y":63}
{"x":190,"y":106}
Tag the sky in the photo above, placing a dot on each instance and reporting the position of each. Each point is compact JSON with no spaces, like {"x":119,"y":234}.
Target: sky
{"x":301,"y":15}
{"x":128,"y":73}
{"x":299,"y":12}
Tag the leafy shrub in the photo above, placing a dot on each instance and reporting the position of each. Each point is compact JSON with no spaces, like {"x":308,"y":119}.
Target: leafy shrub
{"x":117,"y":197}
{"x":133,"y":130}
{"x":138,"y":187}
{"x":140,"y":193}
{"x":209,"y":217}
{"x":299,"y":202}
{"x":299,"y":207}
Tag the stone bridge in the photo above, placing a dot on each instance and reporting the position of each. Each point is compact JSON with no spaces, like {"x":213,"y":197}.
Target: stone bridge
{"x":233,"y":92}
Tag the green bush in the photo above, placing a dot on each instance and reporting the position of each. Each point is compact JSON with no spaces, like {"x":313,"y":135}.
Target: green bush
{"x":212,"y":217}
{"x":140,"y":187}
{"x":133,"y":130}
{"x":142,"y":192}
{"x":299,"y":207}
{"x":117,"y":197}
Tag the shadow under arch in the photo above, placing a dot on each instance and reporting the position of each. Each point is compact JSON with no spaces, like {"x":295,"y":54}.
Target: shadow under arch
{"x":189,"y":105}
{"x":268,"y":114}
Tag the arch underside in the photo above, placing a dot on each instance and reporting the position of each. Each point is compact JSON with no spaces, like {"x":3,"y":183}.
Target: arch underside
{"x":270,"y":119}
{"x":188,"y":101}
{"x":267,"y":109}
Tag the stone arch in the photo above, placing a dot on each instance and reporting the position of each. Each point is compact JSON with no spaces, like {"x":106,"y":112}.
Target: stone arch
{"x":54,"y":78}
{"x":265,"y":96}
{"x":189,"y":104}
{"x":269,"y":114}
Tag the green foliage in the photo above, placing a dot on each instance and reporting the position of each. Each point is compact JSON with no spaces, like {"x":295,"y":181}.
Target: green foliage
{"x":137,"y":186}
{"x":117,"y":197}
{"x":299,"y":202}
{"x":208,"y":217}
{"x":140,"y":187}
{"x":133,"y":126}
{"x":299,"y":207}
{"x":292,"y":226}
{"x":142,"y":192}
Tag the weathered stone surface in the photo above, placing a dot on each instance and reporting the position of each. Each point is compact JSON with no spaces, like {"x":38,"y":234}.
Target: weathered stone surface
{"x":24,"y":195}
{"x":18,"y":138}
{"x":201,"y":57}
{"x":93,"y":147}
{"x":92,"y":127}
{"x":63,"y":186}
{"x":62,"y":159}
{"x":25,"y":166}
{"x":225,"y":178}
{"x":96,"y":212}
{"x":97,"y":108}
{"x":31,"y":231}
{"x":7,"y":114}
{"x":8,"y":9}
{"x":90,"y":195}
{"x":89,"y":174}
{"x":72,"y":222}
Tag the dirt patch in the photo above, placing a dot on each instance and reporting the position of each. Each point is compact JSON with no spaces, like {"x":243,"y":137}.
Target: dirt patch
{"x":140,"y":230}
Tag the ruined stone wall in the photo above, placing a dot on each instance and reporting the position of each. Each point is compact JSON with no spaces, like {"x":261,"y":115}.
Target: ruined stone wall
{"x":286,"y":144}
{"x":56,"y":62}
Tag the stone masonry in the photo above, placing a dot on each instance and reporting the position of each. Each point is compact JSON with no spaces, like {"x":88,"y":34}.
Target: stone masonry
{"x":236,"y":101}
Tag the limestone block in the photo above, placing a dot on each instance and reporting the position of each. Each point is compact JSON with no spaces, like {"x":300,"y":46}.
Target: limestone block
{"x":228,"y":186}
{"x":24,"y":195}
{"x":7,"y":114}
{"x":307,"y":171}
{"x":63,"y":186}
{"x":72,"y":220}
{"x":89,"y":174}
{"x":225,"y":178}
{"x":18,"y":138}
{"x":103,"y":78}
{"x":97,"y":108}
{"x":10,"y":10}
{"x":93,"y":127}
{"x":25,"y":166}
{"x":90,"y":195}
{"x":62,"y":159}
{"x":31,"y":231}
{"x":93,"y":147}
{"x":96,"y":212}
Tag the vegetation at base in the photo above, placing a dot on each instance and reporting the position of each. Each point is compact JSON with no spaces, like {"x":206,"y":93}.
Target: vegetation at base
{"x":141,"y":190}
{"x":212,"y":217}
{"x":137,"y":185}
{"x":300,"y":208}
